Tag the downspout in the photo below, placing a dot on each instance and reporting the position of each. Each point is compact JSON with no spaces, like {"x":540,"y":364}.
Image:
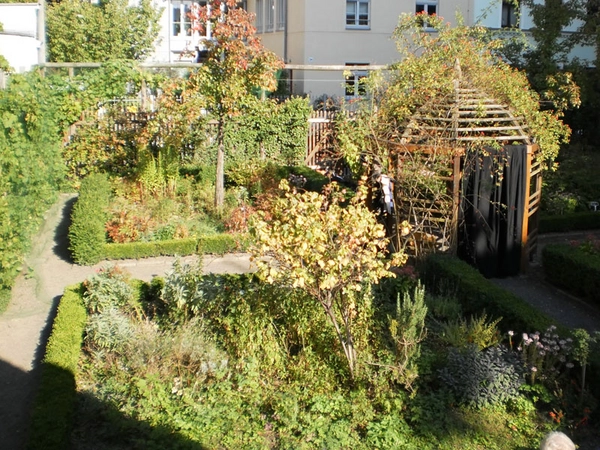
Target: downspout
{"x":285,"y":33}
{"x":285,"y":45}
{"x":41,"y":31}
{"x":169,"y":29}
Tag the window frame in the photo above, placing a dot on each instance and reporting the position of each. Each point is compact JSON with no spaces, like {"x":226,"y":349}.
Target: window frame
{"x":260,"y":16}
{"x":426,"y":6}
{"x":354,"y":80}
{"x":357,"y":25}
{"x":184,"y":7}
{"x":270,"y":16}
{"x":509,"y":15}
{"x":280,"y":11}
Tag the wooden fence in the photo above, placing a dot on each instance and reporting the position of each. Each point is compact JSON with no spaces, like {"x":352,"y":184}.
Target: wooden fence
{"x":320,"y":151}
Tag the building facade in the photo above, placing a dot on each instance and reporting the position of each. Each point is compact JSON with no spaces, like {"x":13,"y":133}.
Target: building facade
{"x":22,"y":39}
{"x":359,"y":32}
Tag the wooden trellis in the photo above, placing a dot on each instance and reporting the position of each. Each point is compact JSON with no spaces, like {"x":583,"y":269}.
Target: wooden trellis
{"x":462,"y":130}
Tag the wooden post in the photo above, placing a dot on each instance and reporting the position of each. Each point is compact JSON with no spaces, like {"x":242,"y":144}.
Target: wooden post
{"x":526,"y":200}
{"x":456,"y":178}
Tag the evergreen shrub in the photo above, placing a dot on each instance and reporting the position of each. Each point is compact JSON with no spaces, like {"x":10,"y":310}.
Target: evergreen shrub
{"x":569,"y":222}
{"x":87,"y":233}
{"x":478,"y":294}
{"x":573,"y":269}
{"x":136,"y":250}
{"x":219,"y":244}
{"x":54,"y":406}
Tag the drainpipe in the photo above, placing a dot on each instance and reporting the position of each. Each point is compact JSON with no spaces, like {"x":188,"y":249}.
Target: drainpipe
{"x":285,"y":34}
{"x":169,"y":30}
{"x":41,"y":31}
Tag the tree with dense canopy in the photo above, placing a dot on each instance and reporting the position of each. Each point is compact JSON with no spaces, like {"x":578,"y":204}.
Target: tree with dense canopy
{"x":83,"y":31}
{"x":236,"y":65}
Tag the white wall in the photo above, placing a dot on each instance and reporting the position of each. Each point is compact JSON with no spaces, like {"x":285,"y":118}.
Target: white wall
{"x":19,"y":42}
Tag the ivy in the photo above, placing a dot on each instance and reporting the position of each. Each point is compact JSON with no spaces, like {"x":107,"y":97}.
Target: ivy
{"x":30,"y":166}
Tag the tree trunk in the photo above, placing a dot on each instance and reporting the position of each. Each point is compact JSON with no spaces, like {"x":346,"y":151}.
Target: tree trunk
{"x":220,"y":181}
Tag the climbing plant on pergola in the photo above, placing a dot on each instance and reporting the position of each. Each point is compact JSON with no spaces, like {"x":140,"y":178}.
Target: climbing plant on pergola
{"x":449,"y":102}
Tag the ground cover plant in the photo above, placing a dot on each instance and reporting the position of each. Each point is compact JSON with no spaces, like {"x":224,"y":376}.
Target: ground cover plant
{"x":256,"y":361}
{"x":230,"y":361}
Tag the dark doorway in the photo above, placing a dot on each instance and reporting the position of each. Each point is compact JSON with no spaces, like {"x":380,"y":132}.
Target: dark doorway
{"x":494,"y":186}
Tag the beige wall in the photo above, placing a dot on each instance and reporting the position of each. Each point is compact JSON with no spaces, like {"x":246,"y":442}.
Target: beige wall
{"x":317,"y":35}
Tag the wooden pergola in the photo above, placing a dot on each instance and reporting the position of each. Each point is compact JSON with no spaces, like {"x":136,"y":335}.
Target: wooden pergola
{"x":447,"y":137}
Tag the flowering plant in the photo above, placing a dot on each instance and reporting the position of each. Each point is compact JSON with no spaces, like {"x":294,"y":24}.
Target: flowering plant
{"x":546,"y":356}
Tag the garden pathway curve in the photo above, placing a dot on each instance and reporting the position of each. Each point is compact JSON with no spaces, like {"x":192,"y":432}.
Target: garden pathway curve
{"x":26,"y":324}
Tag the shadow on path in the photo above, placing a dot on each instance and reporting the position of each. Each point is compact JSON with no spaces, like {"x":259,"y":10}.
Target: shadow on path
{"x":97,"y":425}
{"x":61,"y":234}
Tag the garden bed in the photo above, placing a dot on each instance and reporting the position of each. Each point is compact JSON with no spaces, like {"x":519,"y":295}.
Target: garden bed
{"x":153,"y":374}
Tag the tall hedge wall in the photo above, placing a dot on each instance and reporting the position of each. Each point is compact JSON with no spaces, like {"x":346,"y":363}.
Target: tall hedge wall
{"x":31,"y":168}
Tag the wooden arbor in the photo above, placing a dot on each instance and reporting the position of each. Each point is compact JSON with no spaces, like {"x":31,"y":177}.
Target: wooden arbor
{"x":467,"y":181}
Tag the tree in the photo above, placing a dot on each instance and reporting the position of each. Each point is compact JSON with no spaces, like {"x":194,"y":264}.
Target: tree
{"x":327,"y":248}
{"x":427,"y":71}
{"x":551,"y":48}
{"x":82,"y":31}
{"x":236,"y":64}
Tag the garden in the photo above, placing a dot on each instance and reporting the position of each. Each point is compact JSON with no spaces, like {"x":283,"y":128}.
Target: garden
{"x":335,"y":341}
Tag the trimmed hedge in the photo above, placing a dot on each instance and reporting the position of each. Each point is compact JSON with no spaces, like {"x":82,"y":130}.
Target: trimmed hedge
{"x":87,"y":233}
{"x":476,"y":294}
{"x":573,"y":269}
{"x":214,"y":244}
{"x":219,"y":244}
{"x":52,"y":415}
{"x":570,"y":222}
{"x":136,"y":250}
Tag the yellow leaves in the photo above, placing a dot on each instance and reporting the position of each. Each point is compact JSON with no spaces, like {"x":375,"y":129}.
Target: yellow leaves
{"x":405,"y":228}
{"x":299,"y":282}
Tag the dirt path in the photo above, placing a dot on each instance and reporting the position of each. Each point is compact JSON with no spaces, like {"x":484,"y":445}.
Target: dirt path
{"x":26,"y":324}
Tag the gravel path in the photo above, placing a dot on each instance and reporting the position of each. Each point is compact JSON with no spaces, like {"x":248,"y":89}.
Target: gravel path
{"x":532,"y":286}
{"x":26,"y":324}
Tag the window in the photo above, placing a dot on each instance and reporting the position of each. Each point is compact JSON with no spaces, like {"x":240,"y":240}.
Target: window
{"x":260,"y":15}
{"x":281,"y":14}
{"x":181,"y":23}
{"x":357,"y":13}
{"x":270,"y":15}
{"x":510,"y":14}
{"x":426,"y":8}
{"x":354,"y":85}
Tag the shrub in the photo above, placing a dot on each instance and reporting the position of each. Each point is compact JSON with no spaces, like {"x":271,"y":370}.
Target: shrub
{"x":54,"y":405}
{"x":478,"y":294}
{"x":482,"y":378}
{"x":407,"y":330}
{"x":137,"y":250}
{"x":109,"y":289}
{"x":87,"y":234}
{"x":569,"y":222}
{"x":476,"y":330}
{"x":574,"y":269}
{"x":219,"y":244}
{"x":109,"y":330}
